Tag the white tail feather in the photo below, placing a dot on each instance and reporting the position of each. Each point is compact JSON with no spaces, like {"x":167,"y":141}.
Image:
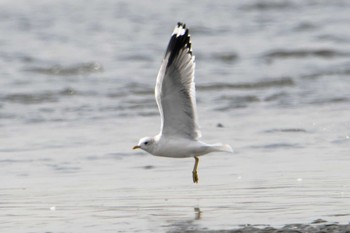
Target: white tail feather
{"x":222,"y":147}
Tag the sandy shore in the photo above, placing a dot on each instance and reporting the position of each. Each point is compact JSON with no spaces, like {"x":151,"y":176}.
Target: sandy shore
{"x":318,"y":226}
{"x":297,"y":228}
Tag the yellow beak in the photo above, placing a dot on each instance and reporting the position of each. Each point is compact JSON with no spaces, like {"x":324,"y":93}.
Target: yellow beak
{"x":136,"y":147}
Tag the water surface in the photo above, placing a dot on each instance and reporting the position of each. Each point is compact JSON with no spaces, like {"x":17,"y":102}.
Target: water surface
{"x":77,"y":83}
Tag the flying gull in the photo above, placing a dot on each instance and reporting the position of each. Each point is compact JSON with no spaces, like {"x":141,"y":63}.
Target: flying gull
{"x":175,"y":95}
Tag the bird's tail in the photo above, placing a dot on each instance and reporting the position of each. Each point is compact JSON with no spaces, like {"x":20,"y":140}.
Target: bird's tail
{"x":222,"y":147}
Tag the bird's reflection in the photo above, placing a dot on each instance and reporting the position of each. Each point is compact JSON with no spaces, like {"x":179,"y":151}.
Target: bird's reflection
{"x":197,"y":213}
{"x":187,"y":225}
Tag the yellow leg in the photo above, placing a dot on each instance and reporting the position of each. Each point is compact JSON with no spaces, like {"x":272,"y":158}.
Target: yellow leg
{"x":194,"y":172}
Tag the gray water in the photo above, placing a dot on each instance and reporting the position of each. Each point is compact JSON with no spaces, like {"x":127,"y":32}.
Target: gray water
{"x":76,"y":93}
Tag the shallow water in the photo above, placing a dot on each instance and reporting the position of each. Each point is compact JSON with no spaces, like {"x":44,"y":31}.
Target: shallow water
{"x":77,"y":83}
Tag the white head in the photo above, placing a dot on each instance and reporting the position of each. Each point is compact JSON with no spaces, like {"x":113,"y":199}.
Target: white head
{"x":146,"y":144}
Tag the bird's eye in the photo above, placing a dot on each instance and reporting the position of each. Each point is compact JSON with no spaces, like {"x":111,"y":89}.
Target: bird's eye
{"x":146,"y":143}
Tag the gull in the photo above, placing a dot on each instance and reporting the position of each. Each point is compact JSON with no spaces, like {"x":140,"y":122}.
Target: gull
{"x":175,"y":96}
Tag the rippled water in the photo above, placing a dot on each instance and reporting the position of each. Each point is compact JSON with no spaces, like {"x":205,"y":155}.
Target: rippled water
{"x":77,"y":83}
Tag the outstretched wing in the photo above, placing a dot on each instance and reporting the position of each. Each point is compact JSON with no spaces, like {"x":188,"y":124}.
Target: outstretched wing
{"x":175,"y":89}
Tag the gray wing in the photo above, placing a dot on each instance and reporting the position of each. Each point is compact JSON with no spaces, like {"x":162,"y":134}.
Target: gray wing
{"x":175,"y":89}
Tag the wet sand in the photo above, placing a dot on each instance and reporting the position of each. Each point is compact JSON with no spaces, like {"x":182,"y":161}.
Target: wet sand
{"x":77,"y":84}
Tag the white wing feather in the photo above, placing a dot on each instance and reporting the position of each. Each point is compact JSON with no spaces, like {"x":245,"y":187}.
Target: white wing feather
{"x":175,"y":88}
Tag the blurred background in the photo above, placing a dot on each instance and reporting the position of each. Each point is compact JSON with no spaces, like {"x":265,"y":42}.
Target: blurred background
{"x":76,"y":93}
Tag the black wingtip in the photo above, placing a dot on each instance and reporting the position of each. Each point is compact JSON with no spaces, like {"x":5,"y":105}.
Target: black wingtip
{"x":179,"y":24}
{"x":180,"y":39}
